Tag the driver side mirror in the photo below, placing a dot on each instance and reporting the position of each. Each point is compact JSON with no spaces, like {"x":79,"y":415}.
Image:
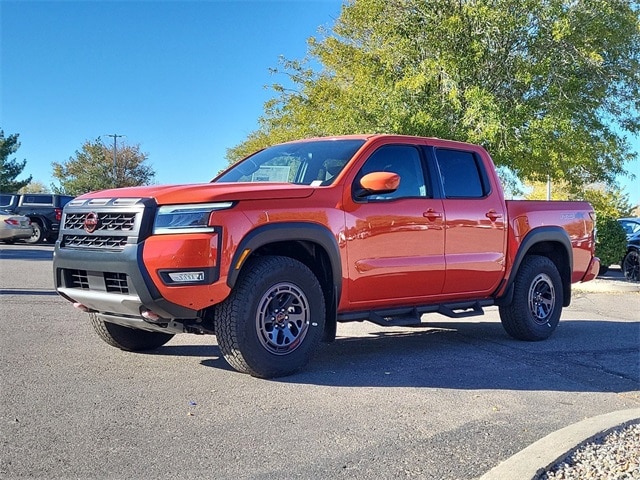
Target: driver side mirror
{"x":378,"y":183}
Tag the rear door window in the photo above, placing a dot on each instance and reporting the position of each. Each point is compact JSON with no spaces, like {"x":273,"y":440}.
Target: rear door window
{"x":462,"y":174}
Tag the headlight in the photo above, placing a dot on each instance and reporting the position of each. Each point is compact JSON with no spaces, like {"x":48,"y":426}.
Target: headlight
{"x":186,"y":218}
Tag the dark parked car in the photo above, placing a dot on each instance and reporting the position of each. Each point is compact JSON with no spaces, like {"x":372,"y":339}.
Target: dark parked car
{"x":631,"y":260}
{"x":43,"y":209}
{"x":9,"y":201}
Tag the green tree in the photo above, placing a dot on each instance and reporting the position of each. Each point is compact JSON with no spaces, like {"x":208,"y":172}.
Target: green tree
{"x":611,"y":240}
{"x":92,"y":168}
{"x":10,"y":169}
{"x":34,"y":187}
{"x":549,"y":87}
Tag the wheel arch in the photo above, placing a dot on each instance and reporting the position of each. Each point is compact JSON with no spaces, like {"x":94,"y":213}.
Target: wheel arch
{"x":552,"y":242}
{"x":309,"y":243}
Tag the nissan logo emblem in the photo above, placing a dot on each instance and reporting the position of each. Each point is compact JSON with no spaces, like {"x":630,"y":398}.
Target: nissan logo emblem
{"x":91,"y":222}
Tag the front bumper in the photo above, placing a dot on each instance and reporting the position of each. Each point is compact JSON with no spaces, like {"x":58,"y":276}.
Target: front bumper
{"x":120,"y":271}
{"x":113,"y":283}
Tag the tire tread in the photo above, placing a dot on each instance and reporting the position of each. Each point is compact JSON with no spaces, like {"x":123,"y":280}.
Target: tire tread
{"x":515,"y":317}
{"x":232,"y":309}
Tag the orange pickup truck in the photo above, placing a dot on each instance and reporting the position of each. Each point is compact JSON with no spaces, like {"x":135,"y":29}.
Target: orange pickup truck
{"x":295,"y":238}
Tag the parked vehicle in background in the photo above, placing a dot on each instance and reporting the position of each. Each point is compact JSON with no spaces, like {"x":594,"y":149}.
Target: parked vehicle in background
{"x":9,"y":201}
{"x":631,"y":226}
{"x":299,"y":236}
{"x":631,"y":261}
{"x":14,"y":227}
{"x":43,"y":209}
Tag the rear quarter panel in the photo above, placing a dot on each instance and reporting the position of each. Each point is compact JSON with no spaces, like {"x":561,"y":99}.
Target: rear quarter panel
{"x":576,"y":218}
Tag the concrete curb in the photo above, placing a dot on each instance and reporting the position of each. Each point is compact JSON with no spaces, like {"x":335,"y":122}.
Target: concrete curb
{"x":606,"y":286}
{"x":531,"y":462}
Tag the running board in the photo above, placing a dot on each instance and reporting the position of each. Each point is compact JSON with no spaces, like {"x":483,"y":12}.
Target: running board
{"x":411,"y":316}
{"x":471,"y":311}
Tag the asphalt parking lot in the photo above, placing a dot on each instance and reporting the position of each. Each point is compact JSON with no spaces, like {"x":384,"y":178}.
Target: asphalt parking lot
{"x":449,"y":400}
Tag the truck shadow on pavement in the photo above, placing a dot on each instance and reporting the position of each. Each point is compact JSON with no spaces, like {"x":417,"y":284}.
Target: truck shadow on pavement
{"x":581,"y":356}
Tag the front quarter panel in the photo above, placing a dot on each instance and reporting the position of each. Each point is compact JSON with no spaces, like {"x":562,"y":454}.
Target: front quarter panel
{"x":183,"y":253}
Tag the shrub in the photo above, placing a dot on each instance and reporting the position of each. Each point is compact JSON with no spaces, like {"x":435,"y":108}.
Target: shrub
{"x":611,"y":243}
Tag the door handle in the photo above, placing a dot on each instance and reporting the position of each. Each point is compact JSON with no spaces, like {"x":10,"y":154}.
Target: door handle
{"x":493,"y":215}
{"x":431,"y":214}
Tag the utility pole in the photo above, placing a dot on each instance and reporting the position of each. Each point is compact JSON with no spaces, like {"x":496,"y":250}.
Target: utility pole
{"x":115,"y":171}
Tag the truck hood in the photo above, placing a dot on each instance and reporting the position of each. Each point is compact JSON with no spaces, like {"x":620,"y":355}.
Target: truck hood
{"x":207,"y":192}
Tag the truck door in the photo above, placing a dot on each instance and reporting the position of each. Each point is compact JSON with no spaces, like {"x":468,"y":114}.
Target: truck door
{"x":395,"y":242}
{"x":475,"y":238}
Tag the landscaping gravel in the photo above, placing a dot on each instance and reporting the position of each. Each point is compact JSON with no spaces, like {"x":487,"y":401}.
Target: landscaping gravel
{"x":613,"y":457}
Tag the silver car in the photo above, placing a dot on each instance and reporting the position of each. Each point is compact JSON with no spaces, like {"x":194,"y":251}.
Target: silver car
{"x":14,"y":227}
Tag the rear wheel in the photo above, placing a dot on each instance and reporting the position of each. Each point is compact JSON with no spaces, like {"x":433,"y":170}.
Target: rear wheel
{"x":129,"y":339}
{"x":535,"y":310}
{"x":37,"y":235}
{"x":274,"y":318}
{"x":631,"y":265}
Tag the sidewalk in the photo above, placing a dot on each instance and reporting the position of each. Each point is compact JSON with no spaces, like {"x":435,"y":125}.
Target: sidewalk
{"x":534,"y":460}
{"x":612,"y":281}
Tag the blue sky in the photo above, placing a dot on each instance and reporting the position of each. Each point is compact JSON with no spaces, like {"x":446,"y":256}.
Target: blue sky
{"x":184,"y":79}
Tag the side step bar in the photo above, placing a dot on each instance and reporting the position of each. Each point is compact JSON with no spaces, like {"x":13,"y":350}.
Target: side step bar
{"x":410,"y":316}
{"x":471,"y":311}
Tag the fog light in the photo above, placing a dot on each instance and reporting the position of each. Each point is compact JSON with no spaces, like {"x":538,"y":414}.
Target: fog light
{"x":187,"y":277}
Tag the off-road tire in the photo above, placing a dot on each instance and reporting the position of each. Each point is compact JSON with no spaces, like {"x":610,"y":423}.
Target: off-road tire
{"x":535,"y":310}
{"x":129,"y":339}
{"x":273,"y":321}
{"x":38,"y":234}
{"x":631,"y":265}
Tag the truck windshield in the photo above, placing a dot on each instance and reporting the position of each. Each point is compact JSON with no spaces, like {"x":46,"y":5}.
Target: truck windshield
{"x":305,"y":163}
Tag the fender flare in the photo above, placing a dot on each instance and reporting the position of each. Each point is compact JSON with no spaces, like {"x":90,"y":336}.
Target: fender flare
{"x":538,"y":235}
{"x":291,"y":231}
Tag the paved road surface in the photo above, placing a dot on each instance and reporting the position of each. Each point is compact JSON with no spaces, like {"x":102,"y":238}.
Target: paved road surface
{"x":447,"y":401}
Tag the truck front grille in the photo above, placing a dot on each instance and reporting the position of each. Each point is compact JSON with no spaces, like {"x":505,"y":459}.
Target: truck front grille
{"x":107,"y":221}
{"x":77,"y":279}
{"x":106,"y":224}
{"x":111,"y":282}
{"x":116,"y":283}
{"x":89,"y":241}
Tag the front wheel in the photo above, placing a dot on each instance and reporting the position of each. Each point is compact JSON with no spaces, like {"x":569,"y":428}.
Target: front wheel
{"x":129,"y":339}
{"x":535,"y":310}
{"x":631,"y":265}
{"x":274,"y":318}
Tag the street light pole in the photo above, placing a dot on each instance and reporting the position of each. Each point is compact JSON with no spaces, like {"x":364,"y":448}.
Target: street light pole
{"x":115,"y":172}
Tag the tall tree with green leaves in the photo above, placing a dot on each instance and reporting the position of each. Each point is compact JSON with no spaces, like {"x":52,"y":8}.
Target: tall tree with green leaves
{"x":549,"y":87}
{"x":10,"y":169}
{"x":35,"y":186}
{"x":92,"y":168}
